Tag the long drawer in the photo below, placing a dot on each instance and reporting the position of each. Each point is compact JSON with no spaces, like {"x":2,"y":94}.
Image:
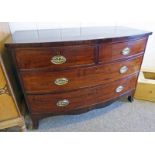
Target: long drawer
{"x":63,"y":102}
{"x":54,"y":57}
{"x":48,"y":82}
{"x":114,"y":51}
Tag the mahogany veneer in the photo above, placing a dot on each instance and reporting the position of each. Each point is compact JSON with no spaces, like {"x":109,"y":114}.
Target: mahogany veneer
{"x":111,"y":51}
{"x":73,"y":54}
{"x":40,"y":81}
{"x":70,"y":71}
{"x":80,"y":98}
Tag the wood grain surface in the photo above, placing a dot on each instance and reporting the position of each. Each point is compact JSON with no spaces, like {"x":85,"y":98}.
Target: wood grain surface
{"x":93,"y":62}
{"x":43,"y":82}
{"x":80,"y":98}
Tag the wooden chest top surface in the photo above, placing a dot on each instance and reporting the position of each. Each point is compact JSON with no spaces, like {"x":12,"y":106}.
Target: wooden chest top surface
{"x":71,"y":35}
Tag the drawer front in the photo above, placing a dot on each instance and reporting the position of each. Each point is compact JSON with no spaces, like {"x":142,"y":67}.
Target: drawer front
{"x":63,"y":102}
{"x":114,"y":51}
{"x":56,"y":57}
{"x":46,"y":82}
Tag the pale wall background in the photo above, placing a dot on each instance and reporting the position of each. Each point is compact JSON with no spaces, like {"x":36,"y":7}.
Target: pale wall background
{"x":149,"y":59}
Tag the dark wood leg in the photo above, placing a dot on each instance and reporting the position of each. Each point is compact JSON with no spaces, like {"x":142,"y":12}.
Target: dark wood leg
{"x":35,"y":122}
{"x":130,"y":98}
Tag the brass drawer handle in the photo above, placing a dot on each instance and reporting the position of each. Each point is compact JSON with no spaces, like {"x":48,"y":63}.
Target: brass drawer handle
{"x":61,"y":81}
{"x":58,"y":59}
{"x":119,"y":89}
{"x":62,"y":103}
{"x":123,"y":69}
{"x":126,"y":51}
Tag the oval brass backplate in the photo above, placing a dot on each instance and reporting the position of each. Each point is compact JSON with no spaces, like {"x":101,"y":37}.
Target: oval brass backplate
{"x":126,"y":51}
{"x":61,"y":81}
{"x":123,"y":69}
{"x":62,"y":103}
{"x":119,"y":89}
{"x":58,"y":59}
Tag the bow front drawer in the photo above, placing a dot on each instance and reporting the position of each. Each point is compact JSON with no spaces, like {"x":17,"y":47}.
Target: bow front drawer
{"x":59,"y":81}
{"x":54,"y":57}
{"x":114,"y":51}
{"x":64,"y":102}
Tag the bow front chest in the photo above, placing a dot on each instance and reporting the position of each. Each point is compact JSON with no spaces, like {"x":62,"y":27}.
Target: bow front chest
{"x":70,"y":71}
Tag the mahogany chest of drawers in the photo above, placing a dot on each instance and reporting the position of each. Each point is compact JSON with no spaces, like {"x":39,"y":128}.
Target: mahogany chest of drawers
{"x":70,"y":71}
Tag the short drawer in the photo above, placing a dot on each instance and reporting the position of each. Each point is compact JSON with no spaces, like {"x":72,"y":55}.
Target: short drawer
{"x":114,"y":51}
{"x":59,"y":81}
{"x":63,"y":102}
{"x":54,"y":57}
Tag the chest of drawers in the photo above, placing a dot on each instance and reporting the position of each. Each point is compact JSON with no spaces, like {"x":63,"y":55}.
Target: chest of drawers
{"x":70,"y":71}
